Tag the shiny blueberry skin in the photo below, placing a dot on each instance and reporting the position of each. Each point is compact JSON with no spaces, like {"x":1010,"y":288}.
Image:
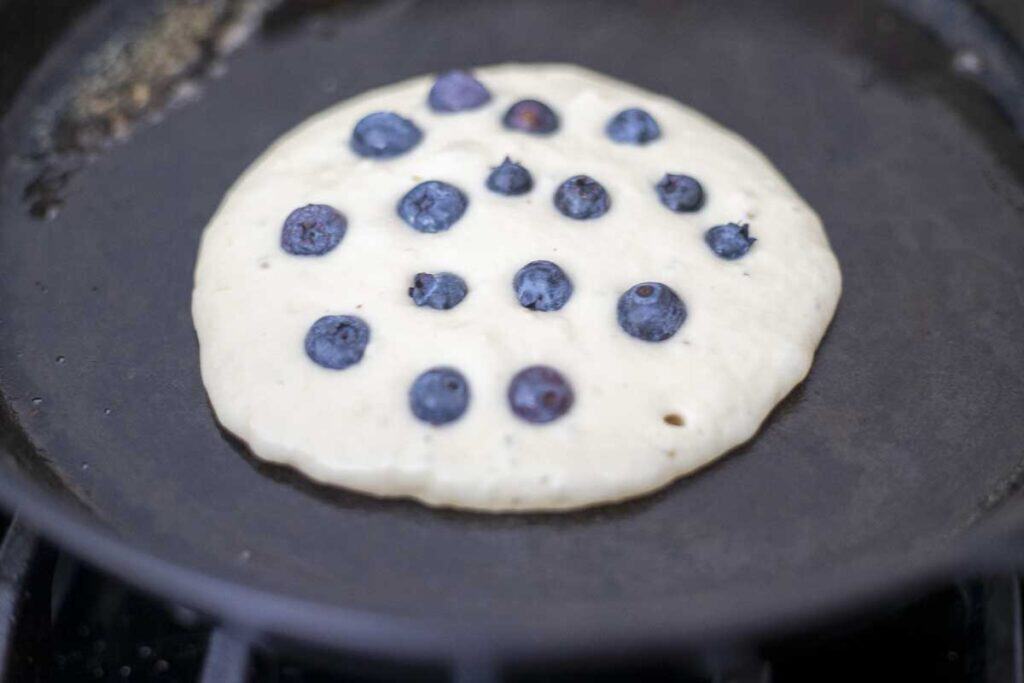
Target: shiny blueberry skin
{"x":457,"y":90}
{"x":337,"y":341}
{"x":439,"y":396}
{"x":383,"y":135}
{"x":433,"y":206}
{"x":651,"y":311}
{"x":680,"y":193}
{"x":440,"y":292}
{"x":540,"y":394}
{"x":581,"y":197}
{"x":730,"y":241}
{"x":531,"y":116}
{"x":510,"y":179}
{"x":313,"y":230}
{"x":633,"y":126}
{"x":542,"y":286}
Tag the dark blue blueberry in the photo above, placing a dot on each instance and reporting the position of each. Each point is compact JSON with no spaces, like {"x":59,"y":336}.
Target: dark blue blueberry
{"x":439,"y":396}
{"x":633,"y":126}
{"x":730,"y":241}
{"x":651,"y":311}
{"x":337,"y":341}
{"x":441,"y":291}
{"x":681,"y":193}
{"x":432,"y":206}
{"x":581,"y":197}
{"x":510,"y":179}
{"x":457,"y":91}
{"x":542,"y":286}
{"x":531,"y":116}
{"x":540,"y":394}
{"x":383,"y":135}
{"x":312,"y":230}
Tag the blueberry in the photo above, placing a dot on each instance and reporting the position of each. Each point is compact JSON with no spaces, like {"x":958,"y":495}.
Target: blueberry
{"x":681,"y":193}
{"x":581,"y":197}
{"x":383,"y":135}
{"x":312,"y":230}
{"x":633,"y":126}
{"x":510,"y":179}
{"x":651,"y":311}
{"x":730,"y":241}
{"x":439,"y":396}
{"x":531,"y":116}
{"x":337,"y":341}
{"x":542,"y":286}
{"x":441,"y":291}
{"x":432,"y":206}
{"x":540,"y":394}
{"x":457,"y":91}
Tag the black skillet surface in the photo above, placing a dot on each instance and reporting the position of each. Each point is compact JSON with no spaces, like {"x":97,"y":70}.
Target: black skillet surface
{"x":903,"y":440}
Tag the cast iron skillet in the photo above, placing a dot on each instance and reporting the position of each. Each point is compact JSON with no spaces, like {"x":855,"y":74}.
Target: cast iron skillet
{"x":896,"y":462}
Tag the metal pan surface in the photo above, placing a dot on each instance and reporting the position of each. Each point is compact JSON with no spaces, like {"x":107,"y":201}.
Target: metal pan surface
{"x":899,"y":454}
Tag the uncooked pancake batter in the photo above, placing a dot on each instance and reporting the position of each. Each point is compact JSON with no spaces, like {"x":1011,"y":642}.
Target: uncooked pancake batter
{"x":533,"y":287}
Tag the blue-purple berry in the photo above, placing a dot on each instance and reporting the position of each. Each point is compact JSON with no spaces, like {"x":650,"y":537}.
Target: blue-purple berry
{"x":433,"y":206}
{"x":510,"y":179}
{"x":531,"y":116}
{"x":313,"y":230}
{"x":383,"y":135}
{"x":542,"y":286}
{"x":457,"y":90}
{"x":730,"y":241}
{"x":337,"y":341}
{"x":540,"y":394}
{"x":439,"y":396}
{"x":440,"y":292}
{"x":633,"y":126}
{"x":651,"y":311}
{"x":680,"y":193}
{"x":581,"y":197}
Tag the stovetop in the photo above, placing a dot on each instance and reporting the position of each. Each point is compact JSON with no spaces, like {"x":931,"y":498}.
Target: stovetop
{"x":62,"y":621}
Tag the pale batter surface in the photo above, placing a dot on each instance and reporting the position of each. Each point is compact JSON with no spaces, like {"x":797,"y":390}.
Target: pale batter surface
{"x":749,"y":338}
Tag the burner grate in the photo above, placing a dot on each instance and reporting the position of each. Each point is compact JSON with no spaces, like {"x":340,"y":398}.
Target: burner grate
{"x":62,"y":621}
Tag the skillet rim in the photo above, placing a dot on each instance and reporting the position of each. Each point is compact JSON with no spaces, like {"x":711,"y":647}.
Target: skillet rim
{"x":797,"y":603}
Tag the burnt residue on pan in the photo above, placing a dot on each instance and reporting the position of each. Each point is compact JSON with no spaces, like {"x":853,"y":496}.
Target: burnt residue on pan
{"x":137,"y":76}
{"x":164,"y":61}
{"x":131,"y":80}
